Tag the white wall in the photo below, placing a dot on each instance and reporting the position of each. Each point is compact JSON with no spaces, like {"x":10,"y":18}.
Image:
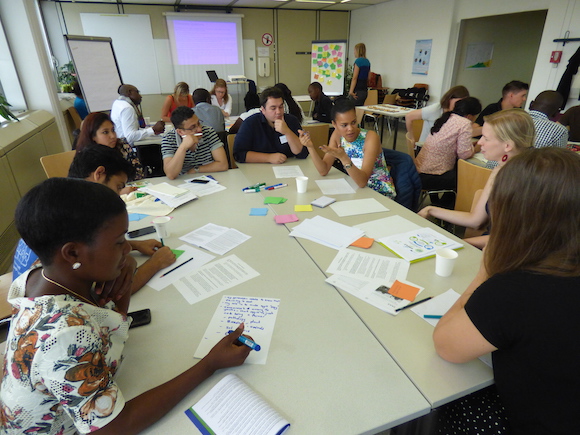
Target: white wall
{"x":390,"y":29}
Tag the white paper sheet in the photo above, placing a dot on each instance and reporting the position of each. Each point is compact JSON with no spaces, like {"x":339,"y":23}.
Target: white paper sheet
{"x":387,"y":227}
{"x":437,"y":306}
{"x":358,"y":206}
{"x":213,"y":278}
{"x":290,"y":171}
{"x":326,"y":232}
{"x":258,"y":315}
{"x":418,"y":244}
{"x":215,"y":238}
{"x":368,"y":266}
{"x":199,"y":259}
{"x":169,"y":200}
{"x":336,"y":186}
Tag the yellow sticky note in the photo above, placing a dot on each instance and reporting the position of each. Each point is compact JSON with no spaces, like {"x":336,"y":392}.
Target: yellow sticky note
{"x":404,"y":291}
{"x":307,"y":207}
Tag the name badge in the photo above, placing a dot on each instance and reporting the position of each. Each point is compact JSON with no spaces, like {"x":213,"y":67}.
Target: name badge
{"x":283,"y":139}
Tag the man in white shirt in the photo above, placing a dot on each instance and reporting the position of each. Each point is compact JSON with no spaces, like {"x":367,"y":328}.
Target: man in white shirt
{"x":127,"y":117}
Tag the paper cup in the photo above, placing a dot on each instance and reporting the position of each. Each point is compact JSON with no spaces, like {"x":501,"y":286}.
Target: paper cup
{"x":444,"y":261}
{"x":161,"y":224}
{"x":147,"y":120}
{"x":301,"y":184}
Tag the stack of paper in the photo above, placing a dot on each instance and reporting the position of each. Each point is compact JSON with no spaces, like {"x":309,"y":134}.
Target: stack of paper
{"x":202,"y":189}
{"x":335,"y":186}
{"x":170,"y":195}
{"x":418,"y":244}
{"x":215,"y":238}
{"x":327,"y":232}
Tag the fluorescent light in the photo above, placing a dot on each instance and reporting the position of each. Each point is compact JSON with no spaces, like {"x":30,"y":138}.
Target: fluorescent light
{"x":314,"y":1}
{"x":345,"y":1}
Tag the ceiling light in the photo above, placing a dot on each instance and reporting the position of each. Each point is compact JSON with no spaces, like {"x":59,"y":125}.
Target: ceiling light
{"x":315,"y":1}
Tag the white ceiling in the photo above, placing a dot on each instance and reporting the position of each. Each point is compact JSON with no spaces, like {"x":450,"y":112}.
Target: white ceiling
{"x":326,"y":5}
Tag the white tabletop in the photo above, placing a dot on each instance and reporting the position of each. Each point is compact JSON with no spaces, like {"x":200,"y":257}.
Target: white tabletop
{"x":406,"y":337}
{"x":326,"y":373}
{"x":386,"y":109}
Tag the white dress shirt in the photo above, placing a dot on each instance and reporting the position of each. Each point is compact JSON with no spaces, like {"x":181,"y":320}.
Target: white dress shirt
{"x":127,"y":122}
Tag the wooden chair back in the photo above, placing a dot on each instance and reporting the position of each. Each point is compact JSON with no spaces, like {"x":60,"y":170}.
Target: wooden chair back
{"x":57,"y":165}
{"x":417,"y":127}
{"x":411,"y":147}
{"x":470,"y":178}
{"x":318,"y":135}
{"x":76,"y":118}
{"x":230,"y":151}
{"x":474,"y":232}
{"x":372,"y":97}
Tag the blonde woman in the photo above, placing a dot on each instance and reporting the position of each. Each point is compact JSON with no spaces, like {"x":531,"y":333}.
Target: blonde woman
{"x":221,"y":98}
{"x":360,"y":74}
{"x":504,"y":135}
{"x":180,"y":97}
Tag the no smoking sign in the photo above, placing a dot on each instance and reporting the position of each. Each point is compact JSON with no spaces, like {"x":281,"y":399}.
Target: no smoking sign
{"x":267,"y":39}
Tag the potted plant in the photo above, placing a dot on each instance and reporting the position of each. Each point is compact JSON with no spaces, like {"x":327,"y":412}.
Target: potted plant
{"x":5,"y":111}
{"x":66,"y":77}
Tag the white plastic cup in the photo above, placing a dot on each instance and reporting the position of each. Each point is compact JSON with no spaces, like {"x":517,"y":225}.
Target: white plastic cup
{"x":147,"y":120}
{"x":301,"y":184}
{"x":444,"y":261}
{"x":161,"y":226}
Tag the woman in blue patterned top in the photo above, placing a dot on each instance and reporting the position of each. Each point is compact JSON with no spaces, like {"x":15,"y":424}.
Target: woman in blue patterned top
{"x":359,"y":151}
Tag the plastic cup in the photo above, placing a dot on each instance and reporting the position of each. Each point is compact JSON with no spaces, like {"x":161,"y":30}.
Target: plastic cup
{"x":161,"y":226}
{"x":444,"y":261}
{"x":301,"y":184}
{"x":147,"y":120}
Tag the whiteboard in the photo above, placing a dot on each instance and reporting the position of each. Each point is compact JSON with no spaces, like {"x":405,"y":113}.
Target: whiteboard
{"x":97,"y":71}
{"x":328,"y":65}
{"x":133,"y":44}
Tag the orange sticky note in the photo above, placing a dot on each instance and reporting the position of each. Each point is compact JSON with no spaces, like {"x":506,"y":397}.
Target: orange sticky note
{"x":404,"y":291}
{"x":363,"y":242}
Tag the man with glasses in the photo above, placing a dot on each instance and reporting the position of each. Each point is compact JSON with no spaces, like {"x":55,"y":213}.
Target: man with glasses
{"x":128,"y":119}
{"x":191,"y":147}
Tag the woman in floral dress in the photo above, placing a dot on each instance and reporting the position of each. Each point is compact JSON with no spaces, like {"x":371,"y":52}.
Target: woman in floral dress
{"x":359,"y":151}
{"x":67,"y":334}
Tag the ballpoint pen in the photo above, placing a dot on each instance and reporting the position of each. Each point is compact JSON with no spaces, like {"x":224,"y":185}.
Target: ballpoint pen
{"x":176,"y":267}
{"x":414,"y":303}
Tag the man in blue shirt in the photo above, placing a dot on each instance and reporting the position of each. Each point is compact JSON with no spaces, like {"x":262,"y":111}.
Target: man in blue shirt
{"x":270,"y":136}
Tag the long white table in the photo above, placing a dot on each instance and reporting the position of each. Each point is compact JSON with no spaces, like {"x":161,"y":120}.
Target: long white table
{"x":406,"y":337}
{"x":326,"y":372}
{"x":389,"y":111}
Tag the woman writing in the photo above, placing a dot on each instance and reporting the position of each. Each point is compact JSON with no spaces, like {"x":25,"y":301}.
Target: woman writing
{"x":450,"y":139}
{"x":362,"y":67}
{"x":97,"y":128}
{"x":180,"y":97}
{"x":65,"y":342}
{"x":430,"y":114}
{"x":523,"y":304}
{"x":221,"y":98}
{"x":504,"y":135}
{"x":358,"y":150}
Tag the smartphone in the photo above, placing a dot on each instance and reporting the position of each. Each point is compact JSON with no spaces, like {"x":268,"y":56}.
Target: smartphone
{"x":140,"y":318}
{"x":141,"y":232}
{"x":200,"y":181}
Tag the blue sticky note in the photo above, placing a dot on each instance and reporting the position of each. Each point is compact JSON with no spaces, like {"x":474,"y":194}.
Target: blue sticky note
{"x":258,"y":212}
{"x":136,"y":216}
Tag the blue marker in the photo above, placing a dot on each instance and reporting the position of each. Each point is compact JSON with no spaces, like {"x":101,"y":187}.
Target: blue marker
{"x":247,"y":342}
{"x":431,"y":316}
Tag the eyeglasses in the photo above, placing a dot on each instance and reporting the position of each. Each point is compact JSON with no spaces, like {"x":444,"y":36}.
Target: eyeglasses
{"x":195,"y":127}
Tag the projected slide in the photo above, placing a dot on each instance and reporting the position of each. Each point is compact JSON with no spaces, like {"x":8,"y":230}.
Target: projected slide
{"x":205,"y":42}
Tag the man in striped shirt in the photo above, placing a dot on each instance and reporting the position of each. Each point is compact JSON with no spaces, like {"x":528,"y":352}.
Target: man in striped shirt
{"x":191,"y":147}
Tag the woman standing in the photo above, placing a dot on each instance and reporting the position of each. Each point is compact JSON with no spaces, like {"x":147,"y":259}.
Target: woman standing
{"x":98,"y":128}
{"x":221,"y":98}
{"x":523,"y":304}
{"x":180,"y":97}
{"x":358,"y":150}
{"x":360,"y":74}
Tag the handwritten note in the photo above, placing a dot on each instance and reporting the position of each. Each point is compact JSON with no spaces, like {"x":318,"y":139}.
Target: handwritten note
{"x":258,"y":315}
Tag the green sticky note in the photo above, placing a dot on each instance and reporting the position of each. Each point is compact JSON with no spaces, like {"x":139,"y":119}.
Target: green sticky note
{"x":177,"y":252}
{"x":274,"y":200}
{"x":332,"y":66}
{"x":338,"y":76}
{"x":320,"y":48}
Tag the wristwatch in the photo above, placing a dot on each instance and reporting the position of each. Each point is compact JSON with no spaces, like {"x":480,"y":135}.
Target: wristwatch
{"x":348,"y":166}
{"x":195,"y":168}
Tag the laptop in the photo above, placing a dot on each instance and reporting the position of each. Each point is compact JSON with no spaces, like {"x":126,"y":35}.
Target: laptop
{"x":212,"y":76}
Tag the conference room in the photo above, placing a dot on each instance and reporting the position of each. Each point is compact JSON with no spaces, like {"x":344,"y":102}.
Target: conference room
{"x":394,"y":382}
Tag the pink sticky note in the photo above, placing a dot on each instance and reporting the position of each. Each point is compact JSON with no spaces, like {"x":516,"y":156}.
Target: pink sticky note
{"x":286,"y":218}
{"x":340,"y":54}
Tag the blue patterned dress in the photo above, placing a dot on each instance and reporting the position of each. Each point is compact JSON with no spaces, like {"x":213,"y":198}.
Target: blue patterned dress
{"x":380,"y":180}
